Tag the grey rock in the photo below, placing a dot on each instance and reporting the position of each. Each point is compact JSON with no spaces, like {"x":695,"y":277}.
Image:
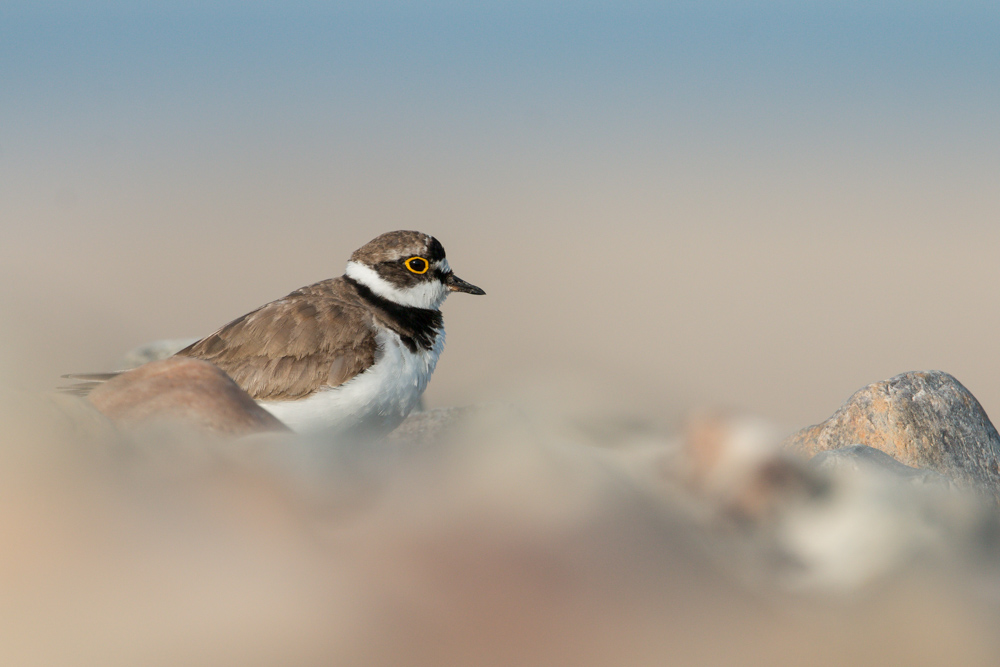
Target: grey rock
{"x":924,"y":420}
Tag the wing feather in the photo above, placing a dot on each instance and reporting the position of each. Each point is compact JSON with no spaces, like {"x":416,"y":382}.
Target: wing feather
{"x":318,"y":336}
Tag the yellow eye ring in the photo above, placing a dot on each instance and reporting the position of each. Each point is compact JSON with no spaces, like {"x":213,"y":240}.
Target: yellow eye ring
{"x":417,"y":265}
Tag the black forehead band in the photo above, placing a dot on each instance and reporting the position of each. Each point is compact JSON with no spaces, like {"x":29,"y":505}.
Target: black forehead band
{"x":435,"y":250}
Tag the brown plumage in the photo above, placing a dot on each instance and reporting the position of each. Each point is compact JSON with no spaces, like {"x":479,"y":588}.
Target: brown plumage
{"x":318,"y":336}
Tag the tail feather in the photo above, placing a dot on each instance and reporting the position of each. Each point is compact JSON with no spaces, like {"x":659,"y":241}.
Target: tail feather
{"x":87,"y":382}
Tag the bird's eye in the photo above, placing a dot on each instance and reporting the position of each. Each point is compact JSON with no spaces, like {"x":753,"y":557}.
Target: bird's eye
{"x":417,"y":264}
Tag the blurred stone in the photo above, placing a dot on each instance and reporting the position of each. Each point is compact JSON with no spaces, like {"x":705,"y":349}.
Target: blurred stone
{"x":920,"y":419}
{"x":875,"y":521}
{"x":186,"y":391}
{"x":862,"y":458}
{"x":47,"y":420}
{"x":735,"y":462}
{"x":836,"y":523}
{"x":154,"y":351}
{"x":427,"y":426}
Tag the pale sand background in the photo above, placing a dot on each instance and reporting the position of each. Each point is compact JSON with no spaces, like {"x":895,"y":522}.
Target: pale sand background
{"x":763,"y":208}
{"x":761,"y":205}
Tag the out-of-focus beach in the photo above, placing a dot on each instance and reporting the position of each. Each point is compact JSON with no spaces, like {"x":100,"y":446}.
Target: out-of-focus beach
{"x":739,"y":211}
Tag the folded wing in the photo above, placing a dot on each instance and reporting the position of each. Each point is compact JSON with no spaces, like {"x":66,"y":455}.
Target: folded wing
{"x":315,"y":337}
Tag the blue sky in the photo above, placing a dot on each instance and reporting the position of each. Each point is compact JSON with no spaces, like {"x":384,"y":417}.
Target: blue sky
{"x":128,"y":88}
{"x":155,"y":90}
{"x":441,"y":59}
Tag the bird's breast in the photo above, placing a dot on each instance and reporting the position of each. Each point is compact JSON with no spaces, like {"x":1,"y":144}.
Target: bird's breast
{"x":373,"y":402}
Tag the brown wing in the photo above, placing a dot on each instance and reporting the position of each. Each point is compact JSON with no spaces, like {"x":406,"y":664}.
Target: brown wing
{"x":317,"y":336}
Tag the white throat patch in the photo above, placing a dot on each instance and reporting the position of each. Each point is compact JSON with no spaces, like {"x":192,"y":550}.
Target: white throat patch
{"x":425,"y":295}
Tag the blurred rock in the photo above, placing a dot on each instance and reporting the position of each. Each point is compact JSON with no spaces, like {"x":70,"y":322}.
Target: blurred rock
{"x":154,"y":351}
{"x":875,"y":521}
{"x":862,"y":458}
{"x":428,"y":426}
{"x":515,"y":542}
{"x":924,"y":420}
{"x":47,"y":418}
{"x":735,"y":462}
{"x":185,"y":391}
{"x":833,"y":524}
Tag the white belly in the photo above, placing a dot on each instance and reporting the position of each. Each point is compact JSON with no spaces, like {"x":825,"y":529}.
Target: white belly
{"x":374,"y":402}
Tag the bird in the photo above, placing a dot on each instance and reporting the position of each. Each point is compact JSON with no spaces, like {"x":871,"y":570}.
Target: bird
{"x":350,"y":355}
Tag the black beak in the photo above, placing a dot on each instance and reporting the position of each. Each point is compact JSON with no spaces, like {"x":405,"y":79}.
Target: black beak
{"x":456,"y":284}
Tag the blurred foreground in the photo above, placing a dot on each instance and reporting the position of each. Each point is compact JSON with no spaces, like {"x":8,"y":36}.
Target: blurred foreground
{"x":506,"y":537}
